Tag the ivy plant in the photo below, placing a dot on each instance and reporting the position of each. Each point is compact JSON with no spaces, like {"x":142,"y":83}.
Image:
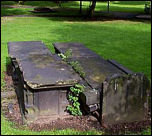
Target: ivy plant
{"x":75,"y":64}
{"x":66,"y":55}
{"x":74,"y":107}
{"x":73,"y":97}
{"x":77,"y":67}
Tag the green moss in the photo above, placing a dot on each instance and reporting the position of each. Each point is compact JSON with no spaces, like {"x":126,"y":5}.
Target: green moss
{"x":77,"y":67}
{"x":41,"y":61}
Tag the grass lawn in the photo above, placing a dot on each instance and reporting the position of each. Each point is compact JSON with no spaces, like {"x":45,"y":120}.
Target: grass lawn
{"x":121,"y":6}
{"x":128,"y":42}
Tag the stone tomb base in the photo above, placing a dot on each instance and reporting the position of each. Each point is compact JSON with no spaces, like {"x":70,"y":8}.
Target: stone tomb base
{"x":43,"y":80}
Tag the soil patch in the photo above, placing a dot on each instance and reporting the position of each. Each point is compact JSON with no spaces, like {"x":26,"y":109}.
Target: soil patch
{"x":12,"y":113}
{"x":81,"y":123}
{"x":125,"y":128}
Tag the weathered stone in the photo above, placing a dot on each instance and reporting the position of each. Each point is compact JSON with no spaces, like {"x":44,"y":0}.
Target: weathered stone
{"x":42,"y":79}
{"x":125,"y":99}
{"x":47,"y":70}
{"x":95,"y":67}
{"x":21,"y":50}
{"x":121,"y":93}
{"x":39,"y":67}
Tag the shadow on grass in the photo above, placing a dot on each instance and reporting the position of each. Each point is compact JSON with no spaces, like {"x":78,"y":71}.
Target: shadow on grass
{"x":130,"y":2}
{"x":83,"y":18}
{"x":8,"y":2}
{"x":51,"y":3}
{"x":9,"y":11}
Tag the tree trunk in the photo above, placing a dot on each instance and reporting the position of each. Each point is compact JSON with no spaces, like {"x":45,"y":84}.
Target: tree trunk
{"x":58,"y":2}
{"x":108,"y":6}
{"x":80,"y":6}
{"x":91,"y":9}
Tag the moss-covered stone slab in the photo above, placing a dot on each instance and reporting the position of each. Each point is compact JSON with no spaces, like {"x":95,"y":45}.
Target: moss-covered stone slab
{"x":96,"y":70}
{"x":95,"y":67}
{"x":47,"y":71}
{"x":40,"y":68}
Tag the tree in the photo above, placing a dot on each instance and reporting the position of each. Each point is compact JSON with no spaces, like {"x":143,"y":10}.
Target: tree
{"x":108,"y":6}
{"x":58,"y":2}
{"x":91,"y":9}
{"x":80,"y":6}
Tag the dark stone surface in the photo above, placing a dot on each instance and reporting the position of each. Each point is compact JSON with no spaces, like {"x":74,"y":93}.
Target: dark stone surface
{"x":96,"y":70}
{"x":125,"y":99}
{"x":95,"y":67}
{"x":121,"y":93}
{"x":119,"y":66}
{"x":20,"y":50}
{"x":78,"y":49}
{"x":40,"y":68}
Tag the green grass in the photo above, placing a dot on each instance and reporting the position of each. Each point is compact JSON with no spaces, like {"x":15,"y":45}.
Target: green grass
{"x":8,"y":2}
{"x":128,"y":42}
{"x":146,"y":132}
{"x":69,"y":8}
{"x":15,"y":11}
{"x":123,"y":6}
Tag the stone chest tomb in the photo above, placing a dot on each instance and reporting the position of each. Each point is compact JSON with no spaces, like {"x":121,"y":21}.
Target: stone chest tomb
{"x":43,"y":79}
{"x":117,"y":94}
